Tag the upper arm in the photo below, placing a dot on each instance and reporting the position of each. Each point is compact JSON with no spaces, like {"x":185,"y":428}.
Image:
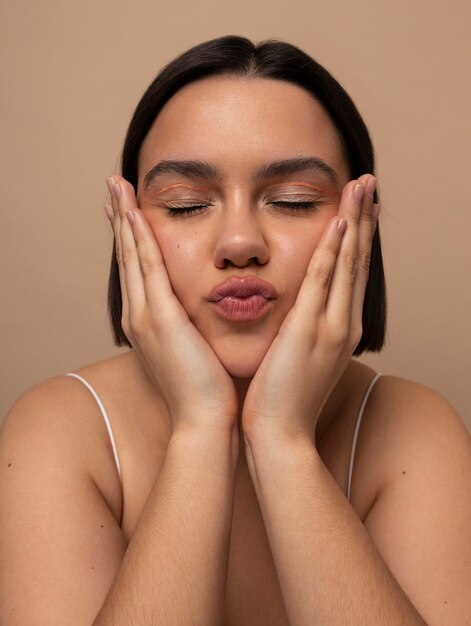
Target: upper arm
{"x":60,"y":544}
{"x":421,"y":520}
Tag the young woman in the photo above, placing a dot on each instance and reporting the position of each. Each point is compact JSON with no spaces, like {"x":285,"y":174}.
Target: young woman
{"x":215,"y":472}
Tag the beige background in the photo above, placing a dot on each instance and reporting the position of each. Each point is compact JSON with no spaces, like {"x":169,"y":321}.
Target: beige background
{"x":71,"y":75}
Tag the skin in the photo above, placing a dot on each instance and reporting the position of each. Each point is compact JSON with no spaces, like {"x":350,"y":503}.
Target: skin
{"x":229,"y":368}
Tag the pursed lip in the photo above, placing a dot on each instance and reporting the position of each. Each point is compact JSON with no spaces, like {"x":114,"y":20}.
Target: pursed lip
{"x":242,"y":287}
{"x":243,"y":298}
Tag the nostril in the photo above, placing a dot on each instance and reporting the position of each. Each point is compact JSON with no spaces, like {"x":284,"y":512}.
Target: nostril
{"x":239,"y":263}
{"x":256,"y":260}
{"x":237,"y":250}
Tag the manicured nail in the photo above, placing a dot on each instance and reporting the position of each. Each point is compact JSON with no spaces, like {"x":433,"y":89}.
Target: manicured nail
{"x":371,"y":185}
{"x":130,"y":216}
{"x":117,"y":190}
{"x":342,"y":225}
{"x":358,"y":192}
{"x":110,"y":183}
{"x":109,"y":212}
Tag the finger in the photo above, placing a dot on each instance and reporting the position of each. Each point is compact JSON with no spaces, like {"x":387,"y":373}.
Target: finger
{"x":126,"y":201}
{"x":156,"y":282}
{"x":157,"y":287}
{"x":116,"y":223}
{"x":365,"y":239}
{"x":314,"y":290}
{"x":339,"y":301}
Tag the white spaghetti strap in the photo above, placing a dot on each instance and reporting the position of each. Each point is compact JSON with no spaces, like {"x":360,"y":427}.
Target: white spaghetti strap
{"x":107,"y":421}
{"x":357,"y":428}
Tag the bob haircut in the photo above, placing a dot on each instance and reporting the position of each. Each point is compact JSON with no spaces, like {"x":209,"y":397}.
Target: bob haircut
{"x":239,"y":57}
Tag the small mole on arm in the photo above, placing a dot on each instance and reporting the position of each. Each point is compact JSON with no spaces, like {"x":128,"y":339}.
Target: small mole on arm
{"x":9,"y":464}
{"x":404,"y":472}
{"x":102,"y":525}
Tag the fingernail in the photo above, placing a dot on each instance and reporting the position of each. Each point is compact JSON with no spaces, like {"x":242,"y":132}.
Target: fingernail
{"x":342,"y":225}
{"x":109,"y":213}
{"x":130,"y":216}
{"x":358,"y":192}
{"x":117,"y":190}
{"x":371,"y":185}
{"x":110,"y":183}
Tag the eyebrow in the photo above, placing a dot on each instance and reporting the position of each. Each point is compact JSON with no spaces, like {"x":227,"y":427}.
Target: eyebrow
{"x":203,"y":169}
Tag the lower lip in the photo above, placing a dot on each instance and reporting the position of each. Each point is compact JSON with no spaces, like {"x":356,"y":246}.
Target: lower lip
{"x":243,"y":309}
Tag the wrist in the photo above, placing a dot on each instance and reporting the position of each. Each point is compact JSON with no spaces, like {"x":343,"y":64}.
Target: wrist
{"x":270,"y":439}
{"x":208,"y":437}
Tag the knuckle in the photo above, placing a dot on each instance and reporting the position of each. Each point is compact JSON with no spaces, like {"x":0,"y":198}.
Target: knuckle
{"x":119,"y":258}
{"x":324,"y":277}
{"x":365,"y":261}
{"x":351,"y":264}
{"x":125,"y":256}
{"x":138,"y":327}
{"x":147,"y":267}
{"x":144,"y":325}
{"x":321,"y":274}
{"x":338,"y":338}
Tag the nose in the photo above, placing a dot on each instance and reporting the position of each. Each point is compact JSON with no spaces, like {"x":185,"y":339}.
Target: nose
{"x":240,"y":240}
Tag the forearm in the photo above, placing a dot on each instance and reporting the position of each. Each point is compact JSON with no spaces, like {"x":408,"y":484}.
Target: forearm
{"x":329,"y":569}
{"x":174,"y":571}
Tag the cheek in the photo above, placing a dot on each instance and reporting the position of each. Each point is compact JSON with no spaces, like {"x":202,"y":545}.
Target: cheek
{"x":182,"y":255}
{"x":295,"y":253}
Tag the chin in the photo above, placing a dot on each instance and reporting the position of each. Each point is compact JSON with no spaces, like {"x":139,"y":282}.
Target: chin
{"x":241,"y":370}
{"x":242,"y":363}
{"x":241,"y":353}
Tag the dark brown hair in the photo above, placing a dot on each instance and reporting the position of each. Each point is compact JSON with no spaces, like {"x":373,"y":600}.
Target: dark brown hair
{"x":238,"y":56}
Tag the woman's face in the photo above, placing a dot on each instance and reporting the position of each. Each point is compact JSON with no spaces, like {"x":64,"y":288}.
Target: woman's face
{"x":247,"y":223}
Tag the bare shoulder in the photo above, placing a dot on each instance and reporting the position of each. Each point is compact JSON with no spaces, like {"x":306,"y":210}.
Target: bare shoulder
{"x":61,"y":414}
{"x":61,"y":417}
{"x":419,"y":521}
{"x":397,"y":393}
{"x":59,"y":506}
{"x":413,"y":422}
{"x":405,"y":425}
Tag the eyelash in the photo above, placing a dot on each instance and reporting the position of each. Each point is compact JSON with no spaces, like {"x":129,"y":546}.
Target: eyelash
{"x":302,"y":206}
{"x":186,"y":210}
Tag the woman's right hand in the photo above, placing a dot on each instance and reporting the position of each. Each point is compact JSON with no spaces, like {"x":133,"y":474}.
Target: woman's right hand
{"x":196,"y":387}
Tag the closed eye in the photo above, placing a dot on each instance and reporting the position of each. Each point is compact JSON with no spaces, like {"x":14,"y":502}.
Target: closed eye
{"x":176,"y":211}
{"x":295,"y":205}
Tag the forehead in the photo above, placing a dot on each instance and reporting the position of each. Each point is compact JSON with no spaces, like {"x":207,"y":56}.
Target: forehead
{"x":241,"y":123}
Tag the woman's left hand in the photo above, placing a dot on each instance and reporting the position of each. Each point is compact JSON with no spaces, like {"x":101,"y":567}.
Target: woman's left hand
{"x":320,"y":333}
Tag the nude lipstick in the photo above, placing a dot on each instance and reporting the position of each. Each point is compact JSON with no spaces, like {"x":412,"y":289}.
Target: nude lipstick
{"x":243,"y":299}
